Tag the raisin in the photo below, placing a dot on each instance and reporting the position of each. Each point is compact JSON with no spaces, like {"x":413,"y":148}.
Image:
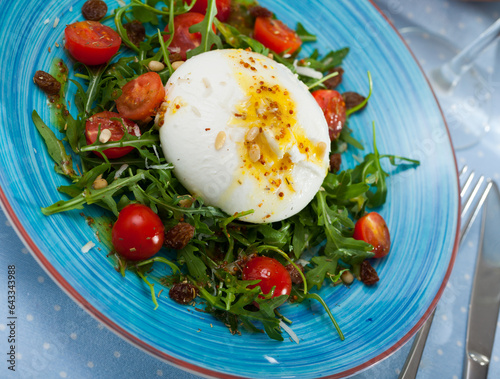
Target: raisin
{"x":135,"y":32}
{"x":367,"y":274}
{"x":258,"y":11}
{"x":179,"y":236}
{"x":47,"y":83}
{"x":335,"y":161}
{"x":183,"y":293}
{"x":333,"y":82}
{"x":294,"y":273}
{"x":94,"y":10}
{"x":175,"y":57}
{"x":353,"y":99}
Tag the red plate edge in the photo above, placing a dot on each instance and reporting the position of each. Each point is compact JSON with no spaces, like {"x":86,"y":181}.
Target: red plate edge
{"x":80,"y":300}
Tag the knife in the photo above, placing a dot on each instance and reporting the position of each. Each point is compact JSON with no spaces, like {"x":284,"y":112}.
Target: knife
{"x":485,"y":297}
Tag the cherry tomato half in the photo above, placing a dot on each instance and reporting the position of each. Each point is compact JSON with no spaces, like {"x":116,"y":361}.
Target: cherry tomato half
{"x":91,"y":42}
{"x":275,"y":35}
{"x":271,"y":273}
{"x":372,"y":229}
{"x":103,"y":120}
{"x":138,"y":233}
{"x":333,"y":106}
{"x":184,"y":41}
{"x":141,"y":97}
{"x":223,"y":8}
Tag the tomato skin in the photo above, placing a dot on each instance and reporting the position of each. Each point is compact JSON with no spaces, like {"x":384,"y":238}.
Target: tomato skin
{"x":184,"y":41}
{"x":275,"y":35}
{"x":103,"y":120}
{"x":271,"y":273}
{"x":141,"y":97}
{"x":223,"y":8}
{"x":333,"y":105}
{"x":373,"y":229}
{"x":91,"y":42}
{"x":138,"y":233}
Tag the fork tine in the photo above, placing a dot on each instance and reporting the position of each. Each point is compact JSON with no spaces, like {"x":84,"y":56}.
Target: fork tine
{"x":467,"y":184}
{"x":463,"y":170}
{"x":472,"y":195}
{"x":472,"y":216}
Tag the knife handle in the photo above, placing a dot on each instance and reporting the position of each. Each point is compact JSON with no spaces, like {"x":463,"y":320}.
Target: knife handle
{"x":485,"y":296}
{"x":476,"y":366}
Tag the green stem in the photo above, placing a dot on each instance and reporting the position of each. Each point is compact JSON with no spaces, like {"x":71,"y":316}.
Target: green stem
{"x":315,"y":296}
{"x":151,"y":288}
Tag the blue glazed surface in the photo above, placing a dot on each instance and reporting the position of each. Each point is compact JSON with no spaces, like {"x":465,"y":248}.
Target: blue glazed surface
{"x":421,"y":210}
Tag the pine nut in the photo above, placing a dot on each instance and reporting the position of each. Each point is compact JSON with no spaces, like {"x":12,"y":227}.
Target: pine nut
{"x":347,"y":277}
{"x":252,"y":134}
{"x":220,"y":140}
{"x":321,"y":148}
{"x":156,"y":66}
{"x":254,"y":152}
{"x":100,"y":183}
{"x":105,"y":135}
{"x":186,"y":203}
{"x":177,"y":64}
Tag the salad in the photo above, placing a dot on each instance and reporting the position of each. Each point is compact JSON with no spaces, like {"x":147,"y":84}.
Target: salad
{"x":114,"y":153}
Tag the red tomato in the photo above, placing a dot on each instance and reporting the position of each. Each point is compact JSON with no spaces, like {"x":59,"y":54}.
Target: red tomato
{"x":91,"y":43}
{"x":372,"y":229}
{"x":138,"y":233}
{"x":271,"y":273}
{"x":103,"y":121}
{"x":333,"y":106}
{"x":223,"y":8}
{"x":184,"y":41}
{"x":275,"y":35}
{"x":141,"y":97}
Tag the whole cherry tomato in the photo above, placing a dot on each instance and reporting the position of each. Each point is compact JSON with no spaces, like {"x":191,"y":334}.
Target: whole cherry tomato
{"x":91,"y":42}
{"x":138,"y":233}
{"x":223,"y":8}
{"x":372,"y":229}
{"x":183,"y":40}
{"x":333,"y":106}
{"x":115,"y":124}
{"x":141,"y":97}
{"x":271,"y":274}
{"x":276,"y":35}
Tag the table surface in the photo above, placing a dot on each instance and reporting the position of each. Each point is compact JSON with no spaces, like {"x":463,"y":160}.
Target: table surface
{"x":60,"y":340}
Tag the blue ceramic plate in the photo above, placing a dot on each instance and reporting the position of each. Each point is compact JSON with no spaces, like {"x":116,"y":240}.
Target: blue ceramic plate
{"x":422,"y":207}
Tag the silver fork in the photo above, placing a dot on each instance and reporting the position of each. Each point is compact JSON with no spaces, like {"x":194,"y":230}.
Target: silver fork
{"x":473,"y":193}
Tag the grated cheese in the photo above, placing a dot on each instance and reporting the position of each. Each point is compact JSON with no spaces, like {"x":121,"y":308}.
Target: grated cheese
{"x":119,"y":172}
{"x":86,"y":248}
{"x":290,"y":332}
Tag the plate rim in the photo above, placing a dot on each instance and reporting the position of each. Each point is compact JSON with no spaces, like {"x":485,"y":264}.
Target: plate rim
{"x":197,"y":369}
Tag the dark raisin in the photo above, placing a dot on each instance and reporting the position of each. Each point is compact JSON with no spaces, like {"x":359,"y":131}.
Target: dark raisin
{"x":183,"y":293}
{"x":353,"y":99}
{"x":367,"y":274}
{"x":94,"y":10}
{"x":333,"y":82}
{"x":175,"y":57}
{"x":294,"y":273}
{"x":258,"y":11}
{"x":135,"y":32}
{"x":47,"y":83}
{"x":335,"y":161}
{"x":179,"y":236}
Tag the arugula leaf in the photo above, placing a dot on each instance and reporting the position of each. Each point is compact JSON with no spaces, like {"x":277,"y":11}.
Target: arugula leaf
{"x":208,"y":37}
{"x":55,"y":147}
{"x":304,"y":35}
